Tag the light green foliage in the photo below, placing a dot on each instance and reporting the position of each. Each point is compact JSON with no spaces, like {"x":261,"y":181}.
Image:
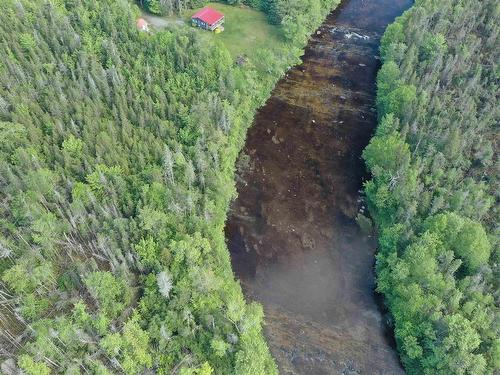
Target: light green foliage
{"x":247,"y":362}
{"x":155,"y":7}
{"x":389,"y":125}
{"x":398,"y":101}
{"x":432,"y":190}
{"x":98,"y":180}
{"x":219,"y":346}
{"x":147,"y":249}
{"x":33,"y":368}
{"x":386,"y":154}
{"x":110,"y":292}
{"x":13,"y":136}
{"x":394,"y":34}
{"x":131,"y":348}
{"x":34,"y":306}
{"x":465,"y":237}
{"x":204,"y":369}
{"x":388,"y":79}
{"x":81,"y":193}
{"x":42,"y":181}
{"x":80,"y":314}
{"x":26,"y":277}
{"x":433,"y":46}
{"x":27,"y":41}
{"x":73,"y":146}
{"x":434,"y":325}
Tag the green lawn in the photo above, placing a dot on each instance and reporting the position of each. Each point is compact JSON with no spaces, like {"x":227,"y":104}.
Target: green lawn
{"x":246,"y":30}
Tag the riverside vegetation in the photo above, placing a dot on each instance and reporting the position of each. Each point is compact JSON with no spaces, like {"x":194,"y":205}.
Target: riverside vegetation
{"x":434,"y":191}
{"x":117,"y":153}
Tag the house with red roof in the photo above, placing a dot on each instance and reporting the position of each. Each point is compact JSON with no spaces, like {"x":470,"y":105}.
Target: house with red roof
{"x":208,"y":19}
{"x":142,"y":25}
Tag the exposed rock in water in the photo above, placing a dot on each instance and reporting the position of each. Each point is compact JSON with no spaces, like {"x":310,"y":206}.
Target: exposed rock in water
{"x":308,"y":261}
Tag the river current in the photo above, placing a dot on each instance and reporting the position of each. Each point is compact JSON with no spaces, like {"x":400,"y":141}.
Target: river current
{"x":294,"y":241}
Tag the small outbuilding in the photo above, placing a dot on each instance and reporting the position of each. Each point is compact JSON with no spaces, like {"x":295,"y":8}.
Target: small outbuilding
{"x":208,"y":19}
{"x":142,"y":25}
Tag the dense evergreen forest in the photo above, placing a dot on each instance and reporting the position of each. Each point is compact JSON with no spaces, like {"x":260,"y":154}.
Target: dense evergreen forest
{"x":434,"y":191}
{"x":117,"y":154}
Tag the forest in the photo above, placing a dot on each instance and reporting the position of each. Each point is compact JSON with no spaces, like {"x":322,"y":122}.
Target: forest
{"x":117,"y":162}
{"x":434,"y":190}
{"x":117,"y":158}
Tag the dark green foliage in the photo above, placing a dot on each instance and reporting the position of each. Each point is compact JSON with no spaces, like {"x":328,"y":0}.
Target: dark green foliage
{"x":168,"y":7}
{"x":434,"y":182}
{"x":296,"y":17}
{"x":117,"y":153}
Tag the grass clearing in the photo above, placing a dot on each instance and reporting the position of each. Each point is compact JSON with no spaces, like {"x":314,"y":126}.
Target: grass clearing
{"x":246,"y":30}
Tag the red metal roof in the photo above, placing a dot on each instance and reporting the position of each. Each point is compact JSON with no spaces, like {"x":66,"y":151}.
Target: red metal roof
{"x":141,"y":23}
{"x":208,"y":15}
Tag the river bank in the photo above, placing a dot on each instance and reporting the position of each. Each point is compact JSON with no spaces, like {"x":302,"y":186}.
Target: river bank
{"x":295,"y":245}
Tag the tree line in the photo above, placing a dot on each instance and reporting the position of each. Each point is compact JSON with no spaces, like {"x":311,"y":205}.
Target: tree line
{"x":434,"y":190}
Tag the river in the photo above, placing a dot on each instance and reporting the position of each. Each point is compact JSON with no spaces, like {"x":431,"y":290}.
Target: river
{"x":294,"y":243}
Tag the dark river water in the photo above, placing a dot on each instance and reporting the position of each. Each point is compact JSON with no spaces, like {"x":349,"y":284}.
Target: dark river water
{"x":294,"y":242}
